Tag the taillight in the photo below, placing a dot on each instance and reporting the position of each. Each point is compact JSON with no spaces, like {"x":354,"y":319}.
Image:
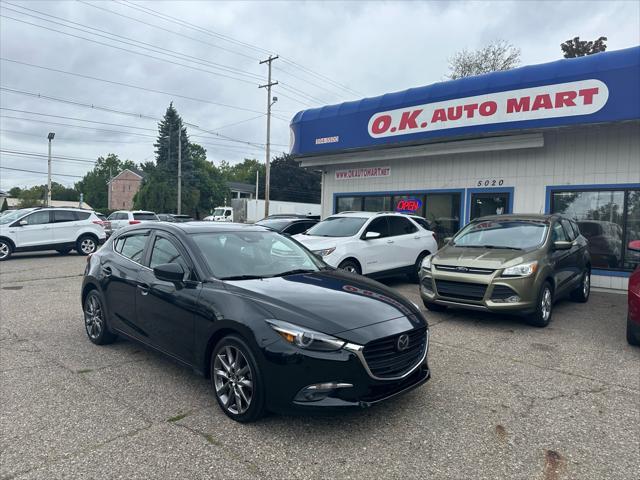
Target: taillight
{"x":134,"y":222}
{"x":99,"y":222}
{"x":90,"y":255}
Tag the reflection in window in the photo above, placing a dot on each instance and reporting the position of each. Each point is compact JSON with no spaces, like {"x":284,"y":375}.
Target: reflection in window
{"x":349,"y":204}
{"x":442,"y":210}
{"x":165,"y":252}
{"x":608,"y":219}
{"x":377,"y":204}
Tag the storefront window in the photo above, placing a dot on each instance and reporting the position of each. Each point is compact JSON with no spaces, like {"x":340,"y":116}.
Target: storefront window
{"x":413,"y":204}
{"x":484,"y":204}
{"x":608,"y":219}
{"x":346,"y":204}
{"x":377,"y":204}
{"x":442,"y":210}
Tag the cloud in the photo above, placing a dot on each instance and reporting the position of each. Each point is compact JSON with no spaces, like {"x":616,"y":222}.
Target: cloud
{"x":371,"y":47}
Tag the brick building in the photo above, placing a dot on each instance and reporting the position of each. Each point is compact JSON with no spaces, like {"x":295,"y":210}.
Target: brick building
{"x":122,"y":188}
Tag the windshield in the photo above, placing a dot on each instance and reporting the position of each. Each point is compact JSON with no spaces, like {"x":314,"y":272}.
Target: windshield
{"x":11,"y":216}
{"x":278,"y":225}
{"x":514,"y":234}
{"x":218,"y":212}
{"x":145,"y":216}
{"x":337,"y":227}
{"x":246,"y":255}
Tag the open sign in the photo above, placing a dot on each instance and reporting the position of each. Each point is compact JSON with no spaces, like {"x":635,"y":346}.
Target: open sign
{"x":409,"y":205}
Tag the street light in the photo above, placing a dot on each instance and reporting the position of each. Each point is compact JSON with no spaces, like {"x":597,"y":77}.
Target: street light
{"x":50,"y":137}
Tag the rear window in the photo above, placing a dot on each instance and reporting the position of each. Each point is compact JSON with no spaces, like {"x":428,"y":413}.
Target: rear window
{"x":422,"y":222}
{"x":145,"y":216}
{"x":64,"y":216}
{"x":85,"y":215}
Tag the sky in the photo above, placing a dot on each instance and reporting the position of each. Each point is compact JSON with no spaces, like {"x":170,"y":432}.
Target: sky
{"x":204,"y":57}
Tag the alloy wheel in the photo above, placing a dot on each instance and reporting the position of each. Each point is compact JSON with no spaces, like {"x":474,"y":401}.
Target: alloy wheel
{"x":586,"y":285}
{"x":233,"y":379}
{"x":88,"y":246}
{"x":350,"y":268}
{"x":4,"y":250}
{"x":546,"y":304}
{"x":93,"y":317}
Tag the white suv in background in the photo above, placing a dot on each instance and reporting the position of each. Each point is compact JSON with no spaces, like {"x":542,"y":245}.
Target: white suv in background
{"x":375,"y":244}
{"x":124,"y":218}
{"x":61,"y":229}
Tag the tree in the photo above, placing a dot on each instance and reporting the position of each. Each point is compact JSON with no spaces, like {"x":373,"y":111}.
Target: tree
{"x":94,"y":185}
{"x":292,"y":183}
{"x":37,"y":195}
{"x":15,"y":192}
{"x":498,"y":55}
{"x":203,"y":187}
{"x":244,"y":172}
{"x":580,"y":48}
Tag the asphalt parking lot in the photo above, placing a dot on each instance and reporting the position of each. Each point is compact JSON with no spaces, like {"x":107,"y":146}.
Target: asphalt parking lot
{"x":505,"y":401}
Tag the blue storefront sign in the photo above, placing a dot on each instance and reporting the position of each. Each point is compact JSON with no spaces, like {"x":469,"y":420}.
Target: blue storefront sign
{"x":593,"y":89}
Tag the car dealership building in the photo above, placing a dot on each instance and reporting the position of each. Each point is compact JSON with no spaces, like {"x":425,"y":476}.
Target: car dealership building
{"x":558,"y":137}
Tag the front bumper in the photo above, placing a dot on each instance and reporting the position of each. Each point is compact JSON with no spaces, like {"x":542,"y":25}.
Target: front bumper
{"x":288,"y":370}
{"x":521,"y":292}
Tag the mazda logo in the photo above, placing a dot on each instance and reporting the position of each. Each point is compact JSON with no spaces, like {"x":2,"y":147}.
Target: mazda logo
{"x":403,"y":342}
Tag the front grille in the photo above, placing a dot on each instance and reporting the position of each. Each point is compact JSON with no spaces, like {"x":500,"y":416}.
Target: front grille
{"x":385,"y":361}
{"x":501,"y":292}
{"x":473,"y":270}
{"x":461,"y":290}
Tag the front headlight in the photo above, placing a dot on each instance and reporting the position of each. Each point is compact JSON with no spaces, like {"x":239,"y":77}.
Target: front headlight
{"x":522,"y":270}
{"x":426,"y":263}
{"x":305,"y":337}
{"x":324,"y":252}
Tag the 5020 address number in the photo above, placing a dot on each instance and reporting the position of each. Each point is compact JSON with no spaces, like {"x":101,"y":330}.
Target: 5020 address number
{"x":491,"y":182}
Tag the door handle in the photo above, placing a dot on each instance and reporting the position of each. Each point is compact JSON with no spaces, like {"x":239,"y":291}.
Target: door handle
{"x":144,"y":288}
{"x":417,"y":237}
{"x":107,"y":271}
{"x":389,"y":241}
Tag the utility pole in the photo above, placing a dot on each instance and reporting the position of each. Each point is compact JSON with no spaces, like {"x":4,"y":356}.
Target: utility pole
{"x":50,"y":137}
{"x":268,"y":160}
{"x":257,"y":182}
{"x":109,"y":190}
{"x":179,"y":170}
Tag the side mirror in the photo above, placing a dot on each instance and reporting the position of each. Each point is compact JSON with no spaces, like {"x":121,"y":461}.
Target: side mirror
{"x":447,"y":240}
{"x":22,"y":223}
{"x":371,"y":235}
{"x":169,"y":272}
{"x":562,"y":245}
{"x":634,"y":245}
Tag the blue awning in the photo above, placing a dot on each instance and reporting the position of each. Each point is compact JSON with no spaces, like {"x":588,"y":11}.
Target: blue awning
{"x":604,"y":87}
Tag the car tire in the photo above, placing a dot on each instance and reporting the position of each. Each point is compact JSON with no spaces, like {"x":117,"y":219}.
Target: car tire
{"x":236,"y":380}
{"x":95,"y":320}
{"x":414,"y":276}
{"x":350,"y":266}
{"x":434,"y":307}
{"x":583,"y":290}
{"x":544,"y":307}
{"x":86,"y":245}
{"x":632,"y":338}
{"x":6,"y":249}
{"x":63,"y":251}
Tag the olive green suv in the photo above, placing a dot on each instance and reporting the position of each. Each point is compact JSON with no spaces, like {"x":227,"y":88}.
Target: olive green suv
{"x":509,"y":263}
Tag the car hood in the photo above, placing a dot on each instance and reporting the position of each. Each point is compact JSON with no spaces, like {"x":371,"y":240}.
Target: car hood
{"x":478,"y":257}
{"x":329,"y":301}
{"x":317,"y":243}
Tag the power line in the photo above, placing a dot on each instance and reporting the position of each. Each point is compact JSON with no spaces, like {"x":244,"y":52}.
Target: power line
{"x":130,"y":51}
{"x":147,"y":46}
{"x":74,"y":140}
{"x":36,"y":154}
{"x":122,"y":84}
{"x":262,"y":51}
{"x":169,"y":31}
{"x":42,"y":173}
{"x":175,"y":20}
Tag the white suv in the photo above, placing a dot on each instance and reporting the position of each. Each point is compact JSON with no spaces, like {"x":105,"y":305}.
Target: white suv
{"x":61,"y":229}
{"x":376,"y":244}
{"x":124,"y":218}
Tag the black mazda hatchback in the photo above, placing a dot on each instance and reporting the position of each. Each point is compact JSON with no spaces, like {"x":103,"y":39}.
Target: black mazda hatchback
{"x":274,"y":327}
